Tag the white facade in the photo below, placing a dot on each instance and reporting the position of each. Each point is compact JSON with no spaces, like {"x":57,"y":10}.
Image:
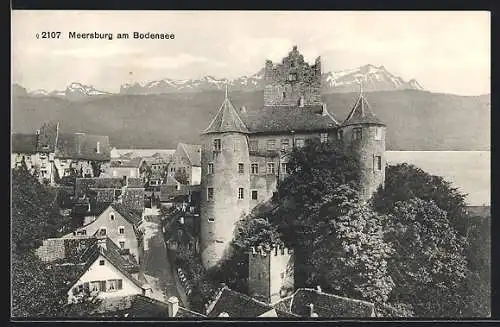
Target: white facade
{"x":103,"y":270}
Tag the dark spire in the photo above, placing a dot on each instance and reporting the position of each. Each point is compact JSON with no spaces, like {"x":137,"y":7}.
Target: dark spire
{"x":361,"y":113}
{"x":226,"y":119}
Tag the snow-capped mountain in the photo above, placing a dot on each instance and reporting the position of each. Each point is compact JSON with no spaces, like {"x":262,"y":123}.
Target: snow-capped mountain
{"x":74,"y":91}
{"x":374,"y":79}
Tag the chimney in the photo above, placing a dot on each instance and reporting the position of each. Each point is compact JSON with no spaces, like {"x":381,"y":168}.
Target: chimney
{"x":318,"y":289}
{"x":172,"y":306}
{"x":301,"y":102}
{"x":98,"y":147}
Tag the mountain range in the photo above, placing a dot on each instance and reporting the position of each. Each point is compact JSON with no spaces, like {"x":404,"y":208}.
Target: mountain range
{"x":416,"y":120}
{"x":373,"y":78}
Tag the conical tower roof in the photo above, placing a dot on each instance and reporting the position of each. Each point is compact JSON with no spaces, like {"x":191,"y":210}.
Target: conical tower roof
{"x":226,"y":120}
{"x":361,"y":113}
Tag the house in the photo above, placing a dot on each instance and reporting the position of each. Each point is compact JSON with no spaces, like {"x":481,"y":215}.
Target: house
{"x":133,"y":306}
{"x":182,"y":231}
{"x":121,"y":225}
{"x":52,"y":155}
{"x":187,"y":161}
{"x":306,"y":302}
{"x":130,"y":191}
{"x":104,"y":272}
{"x":121,"y":167}
{"x":229,"y":303}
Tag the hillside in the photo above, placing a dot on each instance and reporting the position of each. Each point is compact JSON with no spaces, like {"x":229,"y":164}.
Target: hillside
{"x":416,"y":120}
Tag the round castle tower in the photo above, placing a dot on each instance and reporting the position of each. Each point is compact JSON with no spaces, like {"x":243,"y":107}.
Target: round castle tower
{"x":364,"y":134}
{"x":225,"y":182}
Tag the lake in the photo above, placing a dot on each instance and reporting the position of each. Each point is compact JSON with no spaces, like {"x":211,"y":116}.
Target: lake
{"x":469,"y":171}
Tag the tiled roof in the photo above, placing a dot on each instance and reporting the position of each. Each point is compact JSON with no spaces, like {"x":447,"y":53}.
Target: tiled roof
{"x":361,"y":113}
{"x":135,"y":183}
{"x":226,"y":120}
{"x":23,"y":143}
{"x":132,"y":216}
{"x":238,"y":305}
{"x":328,"y":305}
{"x":193,"y":153}
{"x":130,"y":306}
{"x":126,"y":162}
{"x":277,"y":119}
{"x":82,"y":146}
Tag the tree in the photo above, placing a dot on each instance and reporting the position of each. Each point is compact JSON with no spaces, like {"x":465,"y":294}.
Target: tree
{"x":182,"y":177}
{"x":429,"y":266}
{"x":404,"y":182}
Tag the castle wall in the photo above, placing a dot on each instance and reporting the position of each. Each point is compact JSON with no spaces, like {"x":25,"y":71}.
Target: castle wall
{"x":368,"y":149}
{"x":219,"y":215}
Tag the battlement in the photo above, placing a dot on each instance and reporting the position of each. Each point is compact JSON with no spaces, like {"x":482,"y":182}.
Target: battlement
{"x":274,"y":250}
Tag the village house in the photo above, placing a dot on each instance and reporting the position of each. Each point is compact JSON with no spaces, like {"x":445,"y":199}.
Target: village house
{"x":121,"y":225}
{"x":52,"y":155}
{"x":104,"y":272}
{"x":187,"y":161}
{"x":125,"y":167}
{"x":130,"y":191}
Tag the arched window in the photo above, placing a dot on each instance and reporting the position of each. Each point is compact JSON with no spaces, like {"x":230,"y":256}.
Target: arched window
{"x":111,"y":216}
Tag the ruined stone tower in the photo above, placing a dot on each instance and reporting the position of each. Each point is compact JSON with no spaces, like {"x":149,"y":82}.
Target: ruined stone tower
{"x":225,"y":182}
{"x":364,"y":134}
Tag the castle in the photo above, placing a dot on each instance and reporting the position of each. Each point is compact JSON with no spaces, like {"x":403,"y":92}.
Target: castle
{"x":244,"y":152}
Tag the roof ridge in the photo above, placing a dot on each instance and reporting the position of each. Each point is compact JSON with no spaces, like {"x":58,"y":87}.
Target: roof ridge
{"x":336,"y":296}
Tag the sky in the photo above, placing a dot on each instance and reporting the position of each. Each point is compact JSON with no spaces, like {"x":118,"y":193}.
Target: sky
{"x":445,"y":52}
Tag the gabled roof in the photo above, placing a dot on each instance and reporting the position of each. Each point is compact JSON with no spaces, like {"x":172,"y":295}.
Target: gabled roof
{"x":82,"y":146}
{"x":126,"y":162}
{"x":279,"y":119}
{"x":130,"y":306}
{"x":226,"y":120}
{"x":237,"y":305}
{"x":361,"y":113}
{"x":324,"y":305}
{"x":192,"y":153}
{"x":23,"y":143}
{"x":132,"y":216}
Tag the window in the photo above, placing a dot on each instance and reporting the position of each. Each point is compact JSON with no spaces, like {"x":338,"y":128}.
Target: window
{"x":240,"y":193}
{"x":215,"y":155}
{"x":283,"y":167}
{"x":237,"y":145}
{"x":300,"y":143}
{"x":210,"y":168}
{"x":323,"y":137}
{"x":254,"y":195}
{"x":210,"y":194}
{"x":378,"y":162}
{"x":271,"y":144}
{"x":119,"y":284}
{"x":341,"y":135}
{"x":111,"y":216}
{"x":270,"y":168}
{"x":102,"y":285}
{"x":219,"y":241}
{"x":255,"y":168}
{"x":292,"y":77}
{"x":378,"y":133}
{"x":241,"y":168}
{"x":211,"y":220}
{"x":101,"y":262}
{"x":121,"y":230}
{"x":94,"y":286}
{"x":357,"y":133}
{"x":112,"y":285}
{"x":122,"y":245}
{"x":284,"y":144}
{"x":284,"y":95}
{"x":254,"y":145}
{"x":102,"y":232}
{"x":217,"y":145}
